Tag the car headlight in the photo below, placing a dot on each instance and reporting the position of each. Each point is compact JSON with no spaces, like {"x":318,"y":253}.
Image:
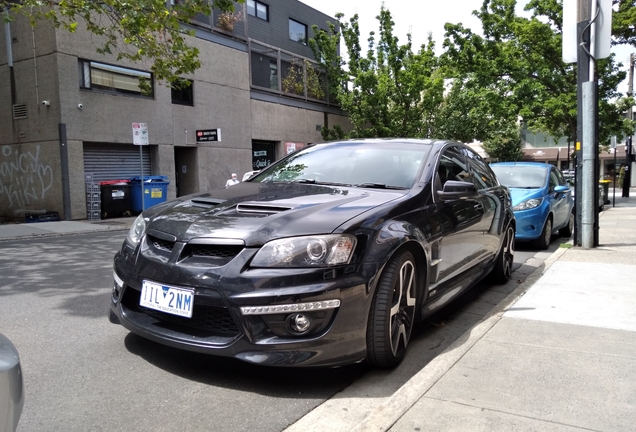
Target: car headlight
{"x":311,"y":251}
{"x":136,"y":231}
{"x":529,"y":204}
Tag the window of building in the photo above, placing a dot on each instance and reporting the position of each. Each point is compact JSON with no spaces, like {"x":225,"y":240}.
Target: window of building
{"x":273,"y":75}
{"x":297,"y":31}
{"x":114,"y":79}
{"x":183,"y":93}
{"x":258,"y":9}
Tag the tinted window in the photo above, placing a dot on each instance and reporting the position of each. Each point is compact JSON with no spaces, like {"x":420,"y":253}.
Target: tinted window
{"x":393,"y":165}
{"x":452,"y":166}
{"x":483,"y":177}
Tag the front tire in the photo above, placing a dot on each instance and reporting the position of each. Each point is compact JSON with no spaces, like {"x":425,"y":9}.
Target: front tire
{"x":543,"y":242}
{"x":502,"y":272}
{"x":392,"y":312}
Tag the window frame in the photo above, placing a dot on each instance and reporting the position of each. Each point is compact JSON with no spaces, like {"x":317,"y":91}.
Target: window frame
{"x":304,"y":41}
{"x":180,"y":90}
{"x":256,"y":11}
{"x":86,"y":79}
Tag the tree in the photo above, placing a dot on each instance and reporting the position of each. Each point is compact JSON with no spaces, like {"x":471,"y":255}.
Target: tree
{"x":390,"y":91}
{"x":138,"y":30}
{"x":505,"y":146}
{"x":624,"y":22}
{"x":520,"y":58}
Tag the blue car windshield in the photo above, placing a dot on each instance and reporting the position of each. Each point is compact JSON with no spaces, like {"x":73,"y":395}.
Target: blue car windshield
{"x":352,"y":164}
{"x":520,"y":176}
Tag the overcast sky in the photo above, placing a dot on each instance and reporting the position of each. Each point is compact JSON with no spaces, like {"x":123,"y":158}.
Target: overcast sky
{"x":421,"y":17}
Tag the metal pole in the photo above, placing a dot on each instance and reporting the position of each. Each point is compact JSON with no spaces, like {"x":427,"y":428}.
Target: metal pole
{"x":66,"y":186}
{"x":141,"y":162}
{"x":583,"y":69}
{"x":614,"y":186}
{"x":588,"y":206}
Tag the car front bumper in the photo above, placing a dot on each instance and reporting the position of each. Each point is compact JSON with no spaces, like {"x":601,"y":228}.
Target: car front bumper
{"x":336,"y":336}
{"x":530,"y":223}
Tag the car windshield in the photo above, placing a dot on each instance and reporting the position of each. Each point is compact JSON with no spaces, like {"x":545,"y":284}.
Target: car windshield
{"x":520,"y":176}
{"x":369,"y":165}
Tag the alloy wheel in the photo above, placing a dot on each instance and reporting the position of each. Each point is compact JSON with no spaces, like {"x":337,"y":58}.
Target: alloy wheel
{"x":402,"y":308}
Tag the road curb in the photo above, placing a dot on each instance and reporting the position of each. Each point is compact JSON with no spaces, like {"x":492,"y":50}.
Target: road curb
{"x":391,"y":410}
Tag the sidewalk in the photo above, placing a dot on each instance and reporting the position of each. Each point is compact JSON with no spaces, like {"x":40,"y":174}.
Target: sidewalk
{"x":559,"y":354}
{"x":49,"y":229}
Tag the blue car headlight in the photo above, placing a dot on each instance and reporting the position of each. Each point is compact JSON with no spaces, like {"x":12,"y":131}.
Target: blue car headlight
{"x":137,"y":231}
{"x":310,"y":251}
{"x":528,"y":204}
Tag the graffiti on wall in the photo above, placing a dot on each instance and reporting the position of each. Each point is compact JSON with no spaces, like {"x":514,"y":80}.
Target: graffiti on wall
{"x":24,"y":179}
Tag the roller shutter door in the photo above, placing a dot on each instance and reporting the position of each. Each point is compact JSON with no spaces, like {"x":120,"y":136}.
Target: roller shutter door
{"x":114,"y":161}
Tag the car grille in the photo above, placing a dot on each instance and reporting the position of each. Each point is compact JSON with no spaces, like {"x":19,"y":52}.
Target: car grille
{"x":160,"y":244}
{"x":206,"y":320}
{"x":209,"y":255}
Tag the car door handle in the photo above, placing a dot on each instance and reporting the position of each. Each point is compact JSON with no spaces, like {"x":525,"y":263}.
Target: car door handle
{"x":478,"y":207}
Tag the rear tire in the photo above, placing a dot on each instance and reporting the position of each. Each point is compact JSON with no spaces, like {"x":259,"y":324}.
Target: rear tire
{"x":567,"y":230}
{"x":502,"y":272}
{"x":543,"y":242}
{"x":392,"y":312}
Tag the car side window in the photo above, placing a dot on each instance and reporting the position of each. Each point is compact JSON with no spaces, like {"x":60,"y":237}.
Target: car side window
{"x":560,"y":178}
{"x":554,"y":180}
{"x":452,"y":166}
{"x":483,"y":177}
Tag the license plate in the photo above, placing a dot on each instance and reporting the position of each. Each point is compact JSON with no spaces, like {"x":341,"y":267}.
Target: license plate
{"x":168,"y":299}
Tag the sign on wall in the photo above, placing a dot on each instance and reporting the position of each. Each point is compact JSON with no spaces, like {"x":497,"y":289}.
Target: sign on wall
{"x":208,"y":135}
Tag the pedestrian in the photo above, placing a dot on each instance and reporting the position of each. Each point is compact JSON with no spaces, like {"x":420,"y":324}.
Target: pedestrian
{"x":232,"y":181}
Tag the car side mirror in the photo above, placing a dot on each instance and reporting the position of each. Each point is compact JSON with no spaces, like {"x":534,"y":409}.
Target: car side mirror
{"x":454,"y":190}
{"x":560,"y":189}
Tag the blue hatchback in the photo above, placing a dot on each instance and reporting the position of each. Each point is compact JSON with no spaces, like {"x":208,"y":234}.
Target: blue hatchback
{"x":541,"y":199}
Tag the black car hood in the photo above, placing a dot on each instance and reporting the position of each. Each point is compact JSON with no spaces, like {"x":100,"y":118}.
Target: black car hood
{"x":259,"y":212}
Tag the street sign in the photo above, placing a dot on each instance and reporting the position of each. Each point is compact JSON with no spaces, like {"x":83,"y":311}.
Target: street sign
{"x":600,"y":38}
{"x":207,"y":135}
{"x":140,"y":133}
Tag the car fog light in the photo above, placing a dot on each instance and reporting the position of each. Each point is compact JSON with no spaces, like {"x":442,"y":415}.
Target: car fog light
{"x":299,"y":323}
{"x":118,"y":281}
{"x":284,"y":308}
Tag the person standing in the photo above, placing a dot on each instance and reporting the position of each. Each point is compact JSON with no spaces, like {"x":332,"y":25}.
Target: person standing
{"x":231,"y":182}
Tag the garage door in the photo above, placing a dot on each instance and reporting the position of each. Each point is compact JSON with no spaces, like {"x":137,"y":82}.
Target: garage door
{"x":114,"y":161}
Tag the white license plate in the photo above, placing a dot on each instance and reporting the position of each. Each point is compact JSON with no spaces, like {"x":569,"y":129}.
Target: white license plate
{"x":168,"y":299}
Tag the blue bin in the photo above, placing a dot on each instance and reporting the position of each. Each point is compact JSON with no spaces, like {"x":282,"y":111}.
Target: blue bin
{"x":155,"y":190}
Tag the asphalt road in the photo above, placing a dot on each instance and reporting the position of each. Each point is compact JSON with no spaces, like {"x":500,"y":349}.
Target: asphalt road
{"x":84,"y":374}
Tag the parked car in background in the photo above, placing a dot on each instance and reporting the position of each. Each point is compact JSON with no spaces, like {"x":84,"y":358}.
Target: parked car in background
{"x":541,"y":199}
{"x":11,"y":386}
{"x":571,"y":180}
{"x":327,"y":257}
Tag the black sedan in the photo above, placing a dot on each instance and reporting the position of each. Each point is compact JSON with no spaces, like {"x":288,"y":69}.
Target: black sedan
{"x":327,"y":257}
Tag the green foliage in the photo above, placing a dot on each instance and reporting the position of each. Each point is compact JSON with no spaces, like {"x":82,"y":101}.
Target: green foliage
{"x":518,"y":71}
{"x":390,"y":91}
{"x":624,"y":22}
{"x":505,"y":146}
{"x":138,"y":30}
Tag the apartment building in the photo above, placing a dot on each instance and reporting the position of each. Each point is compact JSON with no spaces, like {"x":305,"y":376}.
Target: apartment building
{"x":67,"y":112}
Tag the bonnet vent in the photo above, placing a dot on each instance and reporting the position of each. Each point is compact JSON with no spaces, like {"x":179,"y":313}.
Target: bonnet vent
{"x":260,"y":209}
{"x":206,"y":202}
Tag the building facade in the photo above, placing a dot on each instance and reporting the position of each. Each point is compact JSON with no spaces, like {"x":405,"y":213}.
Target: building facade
{"x":67,"y":113}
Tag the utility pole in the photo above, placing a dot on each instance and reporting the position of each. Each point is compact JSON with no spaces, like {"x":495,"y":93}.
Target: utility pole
{"x":628,"y":143}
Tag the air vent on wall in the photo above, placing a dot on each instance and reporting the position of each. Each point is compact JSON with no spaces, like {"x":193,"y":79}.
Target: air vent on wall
{"x":19,"y":111}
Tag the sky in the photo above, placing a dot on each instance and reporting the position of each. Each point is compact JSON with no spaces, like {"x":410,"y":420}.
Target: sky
{"x":421,"y":17}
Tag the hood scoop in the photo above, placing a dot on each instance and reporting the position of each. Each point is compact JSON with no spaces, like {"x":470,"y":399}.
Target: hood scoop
{"x":206,"y":202}
{"x":253,"y":209}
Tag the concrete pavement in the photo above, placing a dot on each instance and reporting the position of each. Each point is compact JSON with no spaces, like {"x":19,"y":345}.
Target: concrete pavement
{"x":48,"y":229}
